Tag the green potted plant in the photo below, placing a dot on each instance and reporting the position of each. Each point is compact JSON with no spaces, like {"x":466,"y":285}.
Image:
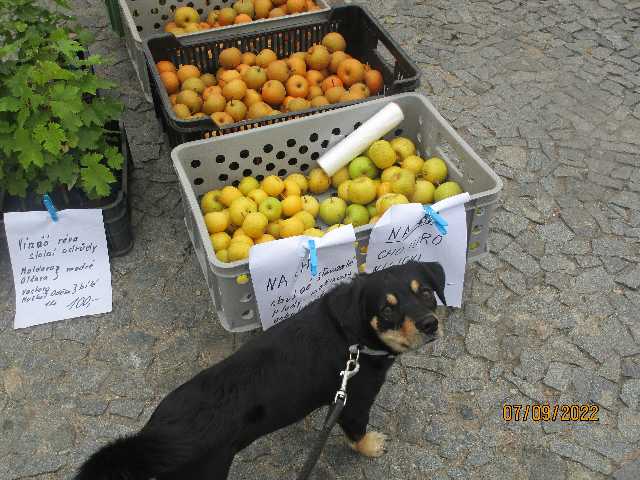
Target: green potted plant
{"x":58,"y":134}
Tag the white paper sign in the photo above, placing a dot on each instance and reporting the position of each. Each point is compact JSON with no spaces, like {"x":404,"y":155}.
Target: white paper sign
{"x":404,"y":233}
{"x":281,"y":272}
{"x":60,"y":269}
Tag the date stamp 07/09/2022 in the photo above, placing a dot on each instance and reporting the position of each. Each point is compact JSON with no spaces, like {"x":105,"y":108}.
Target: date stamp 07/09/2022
{"x":570,"y":412}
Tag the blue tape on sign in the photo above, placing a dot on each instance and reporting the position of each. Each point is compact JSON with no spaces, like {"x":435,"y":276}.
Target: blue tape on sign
{"x":313,"y":257}
{"x":438,"y":220}
{"x":46,"y":200}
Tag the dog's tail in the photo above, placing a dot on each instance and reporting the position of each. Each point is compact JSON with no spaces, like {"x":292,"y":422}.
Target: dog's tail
{"x":136,"y":457}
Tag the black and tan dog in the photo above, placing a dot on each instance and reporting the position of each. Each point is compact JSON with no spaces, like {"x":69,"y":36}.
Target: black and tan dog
{"x":279,"y":377}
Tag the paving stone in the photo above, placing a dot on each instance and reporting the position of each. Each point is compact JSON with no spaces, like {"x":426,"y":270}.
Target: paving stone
{"x":482,"y":341}
{"x":630,"y":393}
{"x":593,"y":281}
{"x":629,"y":424}
{"x":558,"y":376}
{"x":126,"y":407}
{"x":630,"y":279}
{"x":603,"y":392}
{"x":630,"y":367}
{"x":581,"y":455}
{"x":542,"y":465}
{"x":629,"y":471}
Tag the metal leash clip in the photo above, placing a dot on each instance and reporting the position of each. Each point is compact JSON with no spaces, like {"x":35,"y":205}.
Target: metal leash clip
{"x":352,"y":367}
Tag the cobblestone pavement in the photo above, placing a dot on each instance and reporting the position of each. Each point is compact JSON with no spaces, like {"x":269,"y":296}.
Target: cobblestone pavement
{"x":548,"y":93}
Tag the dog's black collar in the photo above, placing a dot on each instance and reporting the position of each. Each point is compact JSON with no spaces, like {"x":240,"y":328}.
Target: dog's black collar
{"x":375,"y":353}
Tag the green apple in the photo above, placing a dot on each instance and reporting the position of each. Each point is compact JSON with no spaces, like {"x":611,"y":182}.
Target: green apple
{"x":362,"y":190}
{"x":382,"y":154}
{"x":423,"y":192}
{"x":435,"y":170}
{"x":371,"y":208}
{"x":357,"y":215}
{"x":403,"y":147}
{"x":446,"y":189}
{"x":333,"y":210}
{"x":244,"y":6}
{"x":310,"y":204}
{"x":390,"y":174}
{"x":248,"y":184}
{"x":210,"y":203}
{"x":388,"y":200}
{"x":362,"y":166}
{"x":405,"y":183}
{"x":271,"y":208}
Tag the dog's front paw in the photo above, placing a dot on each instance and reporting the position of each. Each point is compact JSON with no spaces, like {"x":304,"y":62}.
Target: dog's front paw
{"x":371,"y":445}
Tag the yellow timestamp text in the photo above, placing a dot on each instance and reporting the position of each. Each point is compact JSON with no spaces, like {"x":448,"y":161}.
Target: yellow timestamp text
{"x":571,"y":412}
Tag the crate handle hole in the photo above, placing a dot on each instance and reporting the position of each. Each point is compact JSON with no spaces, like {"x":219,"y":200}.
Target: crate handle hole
{"x":357,"y":125}
{"x":280,"y":155}
{"x":257,"y":160}
{"x":246,"y":298}
{"x":315,"y":156}
{"x":247,"y":172}
{"x":313,"y":137}
{"x":270,"y":166}
{"x":198,"y":181}
{"x":195,"y":163}
{"x":303,"y":149}
{"x":282,"y":172}
{"x":476,"y":230}
{"x":474,"y":246}
{"x":234,"y":166}
{"x":304,"y":167}
{"x":268,"y":148}
{"x":244,"y":153}
{"x":479,"y":211}
{"x":247,"y":314}
{"x":335,"y":131}
{"x":293,"y":161}
{"x":223,"y":177}
{"x":324,"y":144}
{"x":398,"y":132}
{"x":291,"y":143}
{"x":220,"y":159}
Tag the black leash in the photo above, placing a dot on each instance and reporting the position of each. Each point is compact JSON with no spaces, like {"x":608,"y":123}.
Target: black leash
{"x":333,"y":414}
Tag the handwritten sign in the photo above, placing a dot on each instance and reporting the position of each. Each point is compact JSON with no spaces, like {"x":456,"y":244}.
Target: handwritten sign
{"x":60,"y":269}
{"x":281,"y":272}
{"x":405,"y":233}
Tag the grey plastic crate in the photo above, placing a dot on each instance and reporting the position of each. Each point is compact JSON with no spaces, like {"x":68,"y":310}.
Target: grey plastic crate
{"x":295,"y":146}
{"x":142,"y":19}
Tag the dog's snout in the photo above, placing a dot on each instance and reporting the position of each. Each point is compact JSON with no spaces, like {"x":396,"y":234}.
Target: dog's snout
{"x":428,"y":324}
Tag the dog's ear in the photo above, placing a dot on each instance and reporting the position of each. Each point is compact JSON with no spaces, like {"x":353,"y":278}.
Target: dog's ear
{"x":435,"y":275}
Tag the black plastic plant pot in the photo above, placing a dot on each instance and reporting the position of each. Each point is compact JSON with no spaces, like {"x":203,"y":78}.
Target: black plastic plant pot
{"x":115,"y":208}
{"x":367,"y":40}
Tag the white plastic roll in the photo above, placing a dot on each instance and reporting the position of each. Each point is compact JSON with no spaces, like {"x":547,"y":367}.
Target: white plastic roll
{"x":449,"y":202}
{"x":358,"y":141}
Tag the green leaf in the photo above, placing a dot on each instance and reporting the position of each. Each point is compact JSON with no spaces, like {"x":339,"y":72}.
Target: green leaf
{"x":30,"y":151}
{"x":88,"y":138}
{"x":65,"y":171}
{"x":10,"y":104}
{"x":95,"y":176}
{"x":16,"y":184}
{"x":50,"y":136}
{"x":107,"y":108}
{"x":47,"y":71}
{"x":114,"y":158}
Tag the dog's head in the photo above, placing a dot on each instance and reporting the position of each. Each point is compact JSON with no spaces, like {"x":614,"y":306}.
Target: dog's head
{"x":397,"y":305}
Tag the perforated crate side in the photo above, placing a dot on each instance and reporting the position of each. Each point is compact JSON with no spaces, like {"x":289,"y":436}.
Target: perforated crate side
{"x":295,"y":146}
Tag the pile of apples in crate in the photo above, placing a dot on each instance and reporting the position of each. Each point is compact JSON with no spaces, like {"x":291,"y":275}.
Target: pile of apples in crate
{"x":258,"y":212}
{"x":187,"y":19}
{"x":251,"y":86}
